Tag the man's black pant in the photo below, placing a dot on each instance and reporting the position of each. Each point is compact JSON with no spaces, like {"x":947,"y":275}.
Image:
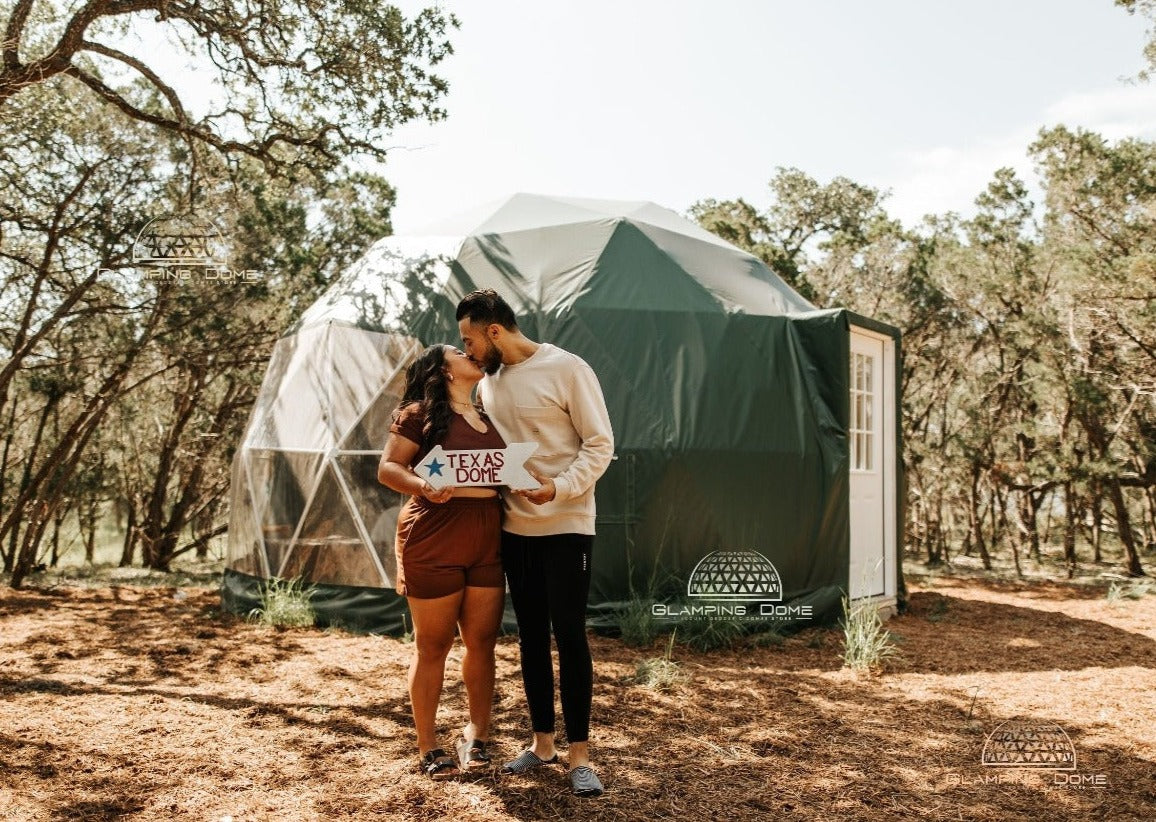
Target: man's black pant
{"x":549,"y":581}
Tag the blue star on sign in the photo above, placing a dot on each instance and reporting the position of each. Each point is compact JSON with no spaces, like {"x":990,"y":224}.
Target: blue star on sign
{"x":435,"y":467}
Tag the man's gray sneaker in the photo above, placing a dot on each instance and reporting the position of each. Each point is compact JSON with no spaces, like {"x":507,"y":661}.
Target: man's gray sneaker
{"x":584,"y":782}
{"x":527,"y":760}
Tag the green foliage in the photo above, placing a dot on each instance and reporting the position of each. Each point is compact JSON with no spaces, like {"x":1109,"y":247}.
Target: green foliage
{"x":710,"y":634}
{"x":298,"y":88}
{"x":1147,"y":9}
{"x":1029,"y":345}
{"x":407,"y":635}
{"x":767,"y":638}
{"x":1132,"y":589}
{"x":841,"y":217}
{"x":637,"y":624}
{"x":866,"y":643}
{"x":285,"y":603}
{"x":636,"y":620}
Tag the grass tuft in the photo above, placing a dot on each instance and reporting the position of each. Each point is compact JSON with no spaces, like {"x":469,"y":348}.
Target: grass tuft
{"x":866,"y":643}
{"x":637,"y":623}
{"x":285,"y":602}
{"x":710,"y":634}
{"x":1133,"y":589}
{"x":660,"y":673}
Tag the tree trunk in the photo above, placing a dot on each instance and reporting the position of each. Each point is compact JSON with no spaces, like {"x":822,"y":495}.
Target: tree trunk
{"x":1150,"y":518}
{"x":1069,"y":529}
{"x":202,"y":549}
{"x":940,"y":531}
{"x":192,"y":499}
{"x":1124,"y":527}
{"x":17,"y":518}
{"x":26,"y":556}
{"x":975,"y":519}
{"x":158,"y":537}
{"x":1097,"y":505}
{"x":57,"y":521}
{"x":47,"y":487}
{"x":130,"y":535}
{"x":86,"y":521}
{"x":7,"y":556}
{"x":1032,"y":503}
{"x":916,"y":527}
{"x":934,"y":545}
{"x":1000,"y":525}
{"x":1047,"y":535}
{"x":1027,"y":525}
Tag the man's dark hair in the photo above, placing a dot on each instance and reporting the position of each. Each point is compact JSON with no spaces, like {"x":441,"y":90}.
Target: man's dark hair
{"x":486,"y":307}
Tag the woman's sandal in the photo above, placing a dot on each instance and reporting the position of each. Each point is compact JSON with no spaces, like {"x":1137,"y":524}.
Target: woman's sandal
{"x":439,"y":765}
{"x":473,"y":755}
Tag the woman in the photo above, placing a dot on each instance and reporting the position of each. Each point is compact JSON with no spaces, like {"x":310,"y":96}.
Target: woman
{"x":448,"y":564}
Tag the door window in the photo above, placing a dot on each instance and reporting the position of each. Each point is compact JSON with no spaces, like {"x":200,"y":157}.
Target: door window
{"x":862,"y":430}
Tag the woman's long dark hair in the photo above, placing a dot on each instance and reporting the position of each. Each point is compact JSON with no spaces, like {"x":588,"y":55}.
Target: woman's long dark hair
{"x":425,"y":383}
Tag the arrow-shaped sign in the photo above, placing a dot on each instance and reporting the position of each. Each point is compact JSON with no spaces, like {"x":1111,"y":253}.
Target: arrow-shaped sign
{"x":485,"y":466}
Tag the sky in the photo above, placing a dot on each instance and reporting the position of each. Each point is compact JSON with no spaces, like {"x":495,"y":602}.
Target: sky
{"x":675,"y":101}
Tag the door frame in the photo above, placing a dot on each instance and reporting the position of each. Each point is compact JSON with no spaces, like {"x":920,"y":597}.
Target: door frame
{"x":889,"y":445}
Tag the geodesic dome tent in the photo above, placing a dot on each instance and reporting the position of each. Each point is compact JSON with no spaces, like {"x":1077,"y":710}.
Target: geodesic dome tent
{"x":744,"y":420}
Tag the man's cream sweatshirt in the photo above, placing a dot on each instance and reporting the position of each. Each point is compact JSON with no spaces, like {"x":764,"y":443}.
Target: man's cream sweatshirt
{"x":552,"y":398}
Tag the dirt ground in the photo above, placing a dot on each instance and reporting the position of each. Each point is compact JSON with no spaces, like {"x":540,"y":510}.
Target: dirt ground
{"x":146,"y":703}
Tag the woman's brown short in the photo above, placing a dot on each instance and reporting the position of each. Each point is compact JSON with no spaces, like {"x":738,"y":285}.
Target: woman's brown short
{"x":444,"y":547}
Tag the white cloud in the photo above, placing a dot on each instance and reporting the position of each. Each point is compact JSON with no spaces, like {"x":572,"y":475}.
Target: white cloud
{"x":1116,"y":112}
{"x":948,"y":177}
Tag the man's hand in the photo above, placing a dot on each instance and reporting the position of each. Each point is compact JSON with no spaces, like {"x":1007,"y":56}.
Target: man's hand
{"x":543,"y":493}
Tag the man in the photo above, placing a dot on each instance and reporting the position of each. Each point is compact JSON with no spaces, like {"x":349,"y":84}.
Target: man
{"x":538,"y":392}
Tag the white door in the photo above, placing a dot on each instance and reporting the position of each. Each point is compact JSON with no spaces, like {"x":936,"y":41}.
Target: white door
{"x":867,"y":464}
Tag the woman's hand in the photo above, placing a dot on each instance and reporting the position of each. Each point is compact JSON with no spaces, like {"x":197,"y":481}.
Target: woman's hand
{"x":436,"y":494}
{"x":393,"y":471}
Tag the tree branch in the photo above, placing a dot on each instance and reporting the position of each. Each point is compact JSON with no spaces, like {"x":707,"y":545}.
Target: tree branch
{"x":13,"y":33}
{"x":152,"y":76}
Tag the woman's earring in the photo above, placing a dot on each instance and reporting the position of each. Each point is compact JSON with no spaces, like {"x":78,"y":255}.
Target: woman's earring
{"x":450,"y":377}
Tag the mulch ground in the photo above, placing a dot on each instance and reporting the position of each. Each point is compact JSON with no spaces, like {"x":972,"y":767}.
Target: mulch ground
{"x":139,"y":703}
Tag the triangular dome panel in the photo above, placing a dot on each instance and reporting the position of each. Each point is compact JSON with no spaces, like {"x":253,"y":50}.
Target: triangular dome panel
{"x":330,"y":547}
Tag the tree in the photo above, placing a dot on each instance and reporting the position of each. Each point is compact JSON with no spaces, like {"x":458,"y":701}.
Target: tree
{"x":304,"y":84}
{"x":804,"y":215}
{"x":113,"y":383}
{"x":1029,"y":350}
{"x":1100,"y":200}
{"x":1145,"y":8}
{"x":94,"y":349}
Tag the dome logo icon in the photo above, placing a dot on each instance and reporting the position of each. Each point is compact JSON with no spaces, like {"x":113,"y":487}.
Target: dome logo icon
{"x":1038,"y":745}
{"x":179,"y":240}
{"x":738,"y":576}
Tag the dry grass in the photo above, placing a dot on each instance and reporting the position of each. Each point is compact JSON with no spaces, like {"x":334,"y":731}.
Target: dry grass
{"x":131,"y":703}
